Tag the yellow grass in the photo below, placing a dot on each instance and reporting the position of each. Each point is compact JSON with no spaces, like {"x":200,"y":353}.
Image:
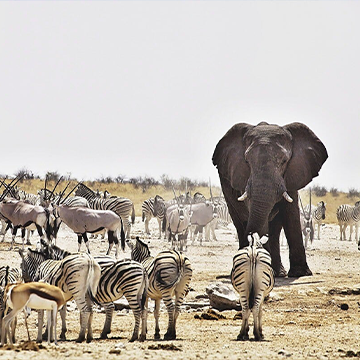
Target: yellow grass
{"x":137,"y":196}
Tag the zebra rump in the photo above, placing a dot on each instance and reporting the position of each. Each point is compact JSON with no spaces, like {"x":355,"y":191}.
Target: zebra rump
{"x":252,"y":277}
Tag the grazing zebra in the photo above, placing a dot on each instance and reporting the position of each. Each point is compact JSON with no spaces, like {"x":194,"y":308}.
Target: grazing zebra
{"x":77,"y":276}
{"x":348,"y":215}
{"x":253,"y":278}
{"x":153,"y":207}
{"x":123,"y":207}
{"x":317,"y":214}
{"x":118,"y":278}
{"x":169,"y":274}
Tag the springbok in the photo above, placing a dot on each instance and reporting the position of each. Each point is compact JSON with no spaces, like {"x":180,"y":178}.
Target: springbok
{"x":84,"y":220}
{"x":35,"y":295}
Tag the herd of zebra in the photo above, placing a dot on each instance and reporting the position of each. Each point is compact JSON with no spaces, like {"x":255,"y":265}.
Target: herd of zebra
{"x":102,"y":280}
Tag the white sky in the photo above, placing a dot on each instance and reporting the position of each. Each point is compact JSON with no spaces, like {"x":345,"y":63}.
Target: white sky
{"x":147,"y":88}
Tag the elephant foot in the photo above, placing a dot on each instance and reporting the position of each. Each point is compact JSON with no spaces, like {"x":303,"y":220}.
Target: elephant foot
{"x":280,"y":271}
{"x":298,"y":271}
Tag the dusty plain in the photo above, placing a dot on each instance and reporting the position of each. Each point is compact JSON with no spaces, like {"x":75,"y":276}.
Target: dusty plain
{"x":303,"y":318}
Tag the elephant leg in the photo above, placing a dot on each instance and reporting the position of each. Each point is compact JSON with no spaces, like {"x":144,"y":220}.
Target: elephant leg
{"x":292,"y":227}
{"x":273,"y":246}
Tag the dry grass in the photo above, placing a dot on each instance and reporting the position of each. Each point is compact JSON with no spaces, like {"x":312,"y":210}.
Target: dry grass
{"x":137,"y":195}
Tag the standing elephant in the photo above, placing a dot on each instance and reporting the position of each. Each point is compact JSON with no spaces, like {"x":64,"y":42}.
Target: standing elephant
{"x":261,"y":168}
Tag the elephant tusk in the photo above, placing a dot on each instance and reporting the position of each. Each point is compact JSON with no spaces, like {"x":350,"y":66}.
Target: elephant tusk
{"x":243,"y":196}
{"x":287,"y":197}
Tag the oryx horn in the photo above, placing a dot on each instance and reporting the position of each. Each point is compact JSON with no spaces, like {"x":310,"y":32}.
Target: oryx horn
{"x":212,"y":200}
{"x":52,"y":193}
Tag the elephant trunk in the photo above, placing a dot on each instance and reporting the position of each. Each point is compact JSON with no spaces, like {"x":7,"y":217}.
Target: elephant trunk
{"x":262,"y":199}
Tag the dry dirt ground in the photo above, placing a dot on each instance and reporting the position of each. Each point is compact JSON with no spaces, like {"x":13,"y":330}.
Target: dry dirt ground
{"x":302,"y":319}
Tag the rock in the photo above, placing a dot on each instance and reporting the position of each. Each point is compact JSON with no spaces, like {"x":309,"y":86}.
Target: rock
{"x":222,"y":297}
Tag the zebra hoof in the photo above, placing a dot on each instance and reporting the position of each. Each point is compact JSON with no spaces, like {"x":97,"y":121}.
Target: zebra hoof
{"x":157,"y":336}
{"x":103,"y":336}
{"x":298,"y":271}
{"x":28,"y":242}
{"x":89,"y":339}
{"x":133,"y":339}
{"x":142,"y":338}
{"x":80,"y":339}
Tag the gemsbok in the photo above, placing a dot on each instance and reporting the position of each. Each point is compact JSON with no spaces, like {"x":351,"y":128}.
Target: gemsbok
{"x":35,"y":295}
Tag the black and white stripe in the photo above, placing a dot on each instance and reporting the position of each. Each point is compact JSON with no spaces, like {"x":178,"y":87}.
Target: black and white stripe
{"x":153,"y":207}
{"x":318,"y":214}
{"x":169,"y":274}
{"x":348,"y":215}
{"x":123,"y":207}
{"x":253,"y":278}
{"x":77,"y":276}
{"x":118,"y":278}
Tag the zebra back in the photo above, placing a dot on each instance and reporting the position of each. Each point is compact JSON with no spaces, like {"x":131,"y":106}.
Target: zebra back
{"x":147,"y":208}
{"x":9,"y":275}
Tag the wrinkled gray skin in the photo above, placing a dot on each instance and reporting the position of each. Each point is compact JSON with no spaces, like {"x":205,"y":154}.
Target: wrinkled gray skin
{"x":265,"y":161}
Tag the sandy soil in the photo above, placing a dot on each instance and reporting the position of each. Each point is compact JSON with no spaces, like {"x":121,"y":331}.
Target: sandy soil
{"x":302,"y":319}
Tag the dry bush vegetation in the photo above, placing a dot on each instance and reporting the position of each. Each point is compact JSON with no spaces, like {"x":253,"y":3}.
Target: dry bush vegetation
{"x":137,"y":195}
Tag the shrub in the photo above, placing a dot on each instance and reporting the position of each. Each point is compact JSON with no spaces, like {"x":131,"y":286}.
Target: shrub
{"x":334,"y":192}
{"x":319,"y":191}
{"x":353,"y":193}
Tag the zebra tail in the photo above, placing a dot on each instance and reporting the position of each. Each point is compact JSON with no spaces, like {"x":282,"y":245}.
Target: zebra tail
{"x":122,"y":235}
{"x":251,"y":299}
{"x":164,"y":224}
{"x":143,"y":216}
{"x":133,"y":215}
{"x":6,"y":275}
{"x":93,"y":279}
{"x":145,"y":290}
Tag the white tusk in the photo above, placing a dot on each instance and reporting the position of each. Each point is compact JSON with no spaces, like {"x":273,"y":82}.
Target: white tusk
{"x":287,"y":197}
{"x":243,"y":196}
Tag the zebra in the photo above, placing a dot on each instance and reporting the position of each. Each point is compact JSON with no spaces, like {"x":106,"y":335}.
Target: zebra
{"x":348,"y":215}
{"x":317,"y":215}
{"x":8,"y":275}
{"x":123,"y":207}
{"x":77,"y":276}
{"x":118,"y":278}
{"x":253,"y":278}
{"x":153,"y":207}
{"x":169,"y":274}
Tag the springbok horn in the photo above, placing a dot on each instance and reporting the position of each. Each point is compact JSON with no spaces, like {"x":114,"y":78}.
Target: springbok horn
{"x":243,"y":196}
{"x":287,"y":197}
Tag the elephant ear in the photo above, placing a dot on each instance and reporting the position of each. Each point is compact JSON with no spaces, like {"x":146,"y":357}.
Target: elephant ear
{"x":229,"y":157}
{"x":308,"y":156}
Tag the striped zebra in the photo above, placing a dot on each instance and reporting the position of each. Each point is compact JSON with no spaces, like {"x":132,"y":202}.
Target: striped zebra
{"x":253,"y":278}
{"x":8,"y":275}
{"x":153,"y":207}
{"x":123,"y":207}
{"x":348,"y":215}
{"x":77,"y":276}
{"x":169,"y":274}
{"x":317,"y":215}
{"x":29,"y":198}
{"x":118,"y":278}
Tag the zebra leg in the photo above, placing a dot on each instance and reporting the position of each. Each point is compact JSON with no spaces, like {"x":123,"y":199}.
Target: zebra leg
{"x":159,"y":221}
{"x":147,"y":230}
{"x":84,"y":318}
{"x":63,"y":323}
{"x":28,"y":237}
{"x":144,"y":320}
{"x":171,"y":331}
{"x":109,"y":310}
{"x":244,"y":331}
{"x":257,"y":327}
{"x":157,"y":316}
{"x":90,"y":336}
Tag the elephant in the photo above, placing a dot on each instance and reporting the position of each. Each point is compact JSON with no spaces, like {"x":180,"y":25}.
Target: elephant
{"x":261,"y":168}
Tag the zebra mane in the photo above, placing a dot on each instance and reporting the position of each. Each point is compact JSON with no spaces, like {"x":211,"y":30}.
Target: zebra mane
{"x":86,"y":187}
{"x":142,"y":243}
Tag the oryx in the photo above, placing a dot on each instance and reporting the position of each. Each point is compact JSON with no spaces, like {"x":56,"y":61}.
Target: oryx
{"x":307,"y":223}
{"x":85,"y":220}
{"x":21,"y":215}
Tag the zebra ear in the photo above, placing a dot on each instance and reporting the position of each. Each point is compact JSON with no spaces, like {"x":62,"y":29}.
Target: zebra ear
{"x":308,"y":156}
{"x":264,"y":239}
{"x":229,"y":156}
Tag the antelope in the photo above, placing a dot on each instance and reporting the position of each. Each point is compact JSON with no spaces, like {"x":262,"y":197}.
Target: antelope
{"x":35,"y":295}
{"x":84,"y":220}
